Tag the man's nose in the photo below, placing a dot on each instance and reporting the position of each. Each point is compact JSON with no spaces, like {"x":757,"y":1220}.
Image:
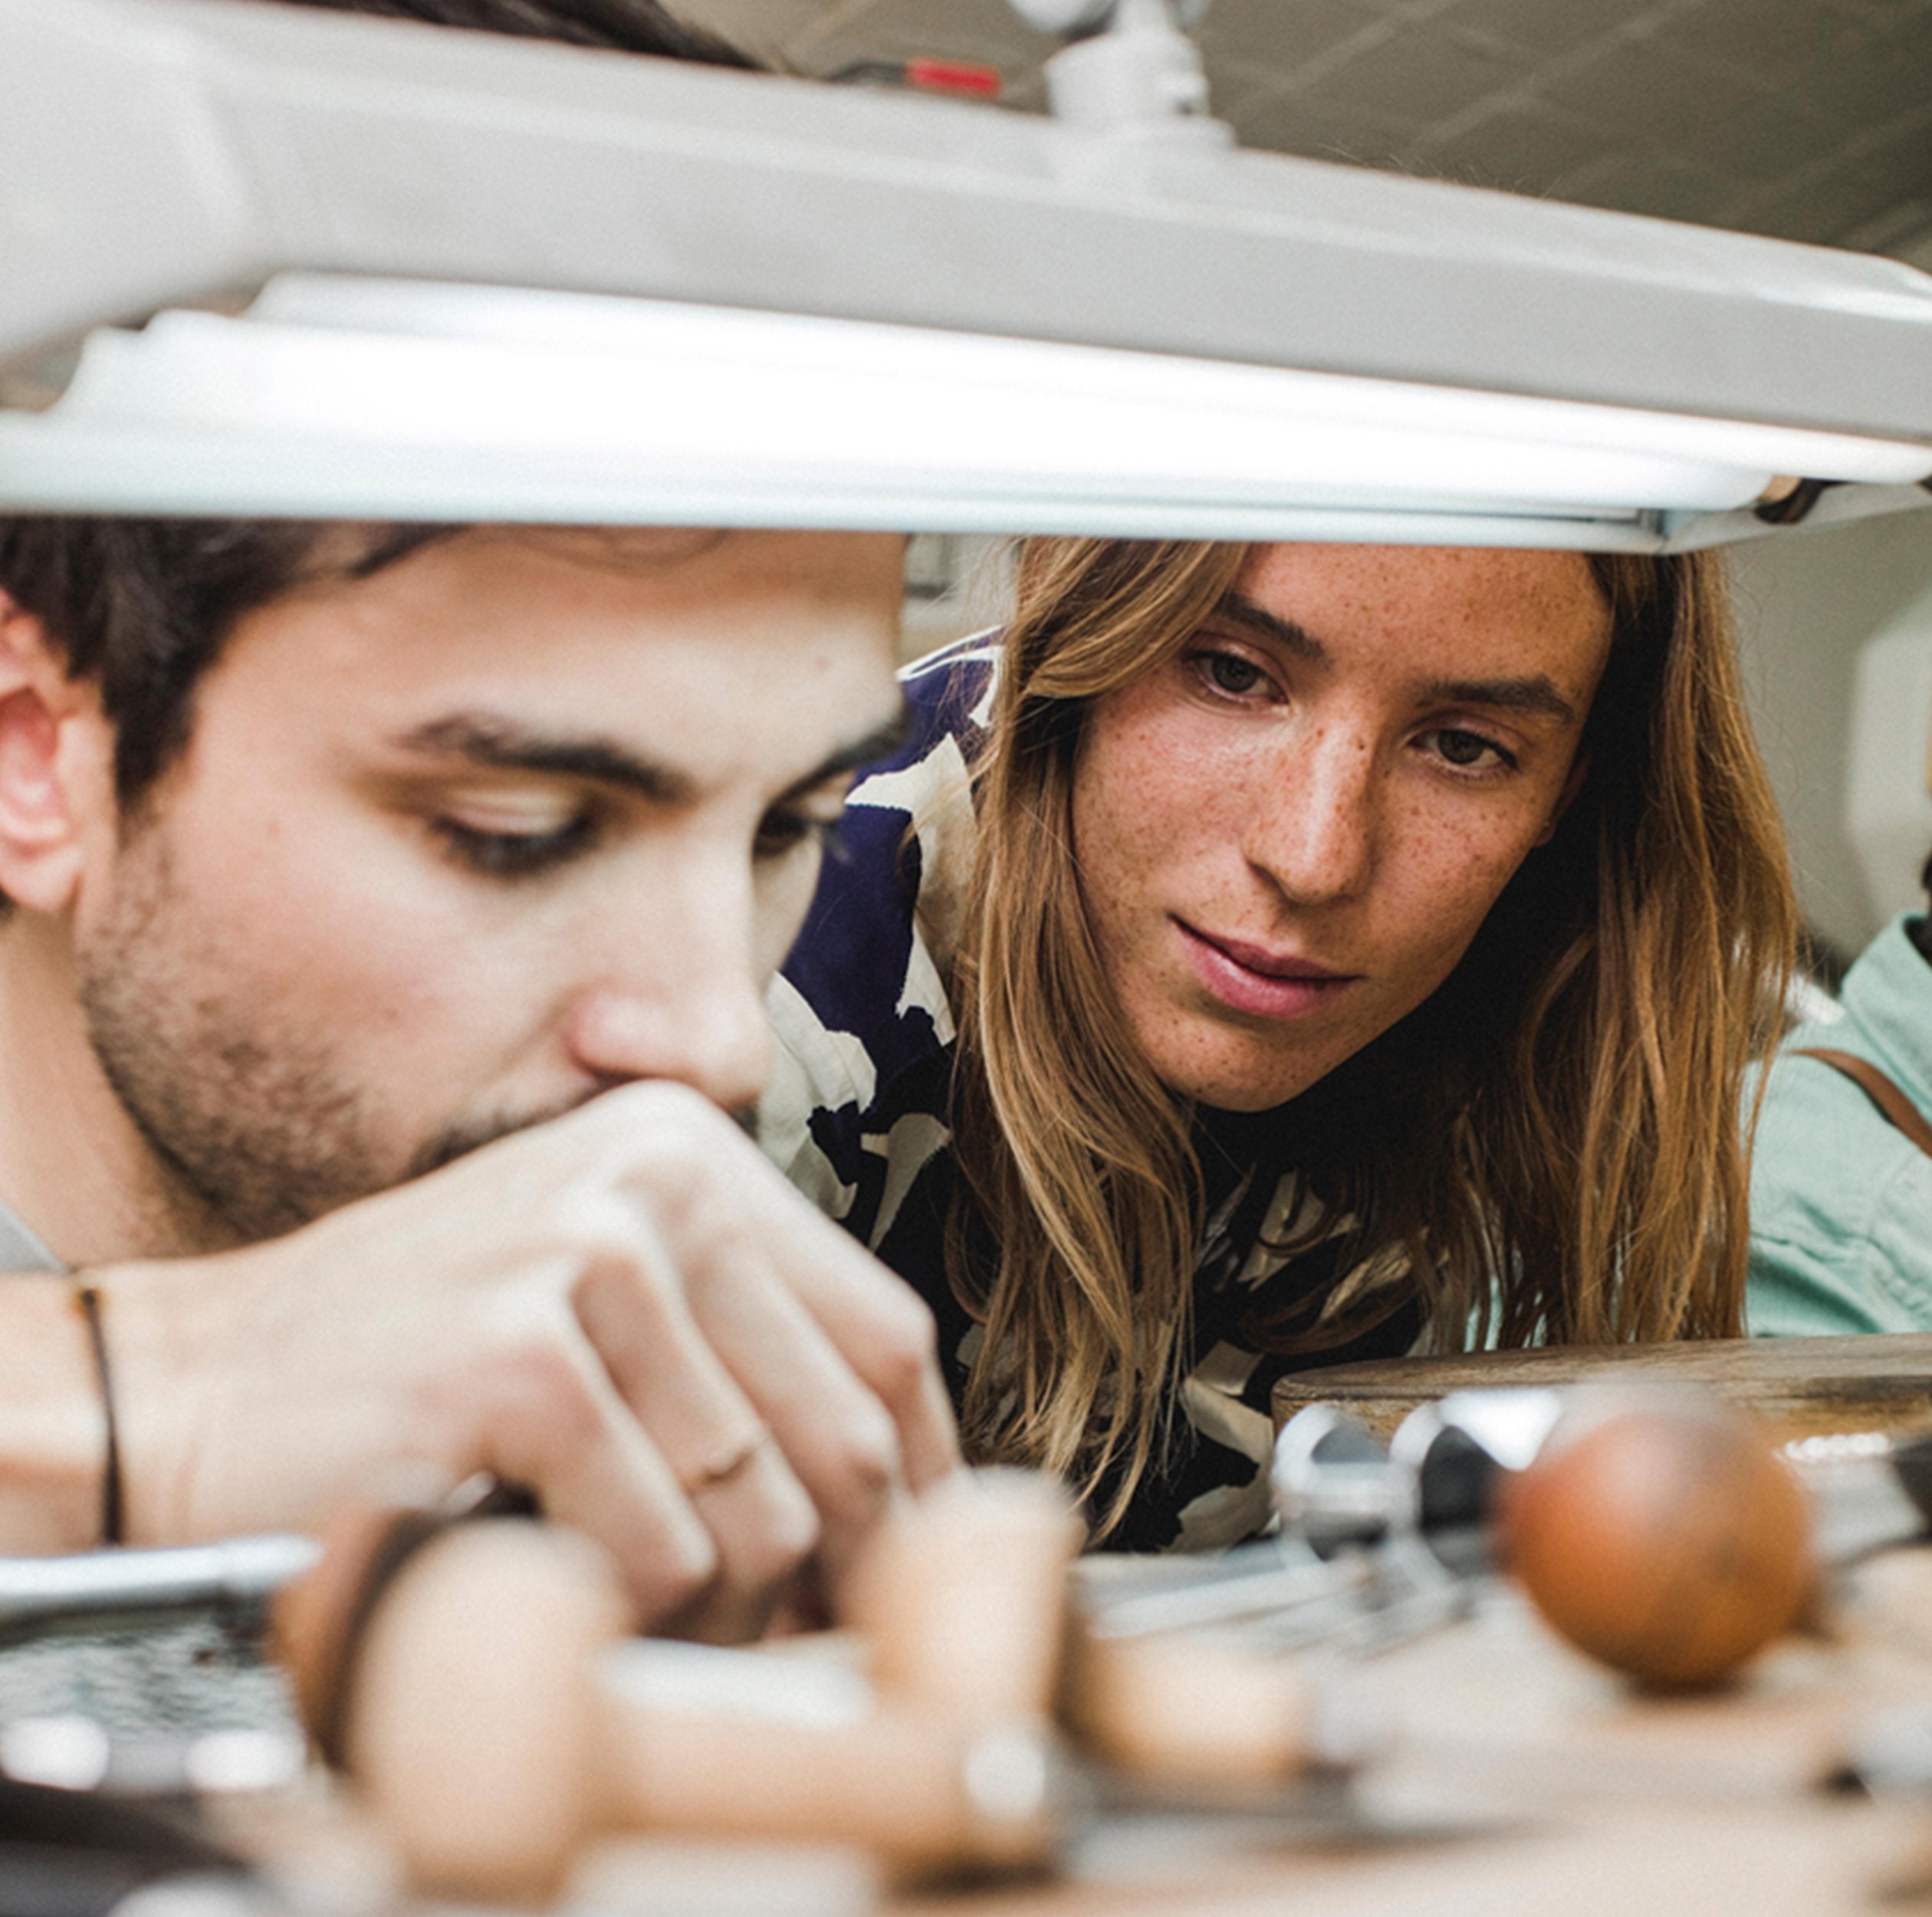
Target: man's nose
{"x":1313,"y":829}
{"x":696,"y":1016}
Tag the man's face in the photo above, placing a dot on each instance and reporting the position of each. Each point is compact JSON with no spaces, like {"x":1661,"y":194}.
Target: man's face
{"x":455,"y":847}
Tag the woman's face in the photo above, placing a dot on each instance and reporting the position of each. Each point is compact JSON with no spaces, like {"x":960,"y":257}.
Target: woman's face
{"x":1287,"y":835}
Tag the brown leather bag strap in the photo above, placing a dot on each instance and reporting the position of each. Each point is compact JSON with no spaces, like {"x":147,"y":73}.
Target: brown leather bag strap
{"x":1880,"y":1090}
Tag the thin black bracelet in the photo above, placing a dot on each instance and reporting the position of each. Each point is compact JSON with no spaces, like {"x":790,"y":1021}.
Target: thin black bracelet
{"x":112,"y":1526}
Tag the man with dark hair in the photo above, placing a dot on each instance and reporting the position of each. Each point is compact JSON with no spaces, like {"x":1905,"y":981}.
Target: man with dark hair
{"x":390,"y":913}
{"x":620,"y":26}
{"x":386,"y":915}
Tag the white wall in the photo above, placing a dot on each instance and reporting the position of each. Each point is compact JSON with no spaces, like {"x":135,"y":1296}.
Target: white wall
{"x":955,"y":584}
{"x":1807,"y":602}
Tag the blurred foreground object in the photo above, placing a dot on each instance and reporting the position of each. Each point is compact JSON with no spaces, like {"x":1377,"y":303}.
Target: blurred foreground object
{"x":1656,"y":1527}
{"x":962,"y":1598}
{"x":1662,"y":1535}
{"x":233,"y":1578}
{"x":476,"y":1682}
{"x":66,"y":1853}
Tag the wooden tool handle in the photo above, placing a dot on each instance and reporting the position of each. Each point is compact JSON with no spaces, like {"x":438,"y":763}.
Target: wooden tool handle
{"x":918,"y":1791}
{"x":486,"y":1716}
{"x":963,"y":1597}
{"x":1190,"y":1707}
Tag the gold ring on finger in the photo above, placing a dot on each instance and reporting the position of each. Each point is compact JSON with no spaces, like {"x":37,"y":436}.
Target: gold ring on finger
{"x":727,"y":1461}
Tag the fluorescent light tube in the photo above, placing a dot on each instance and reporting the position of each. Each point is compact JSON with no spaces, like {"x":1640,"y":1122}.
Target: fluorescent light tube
{"x":769,"y":302}
{"x":336,"y":395}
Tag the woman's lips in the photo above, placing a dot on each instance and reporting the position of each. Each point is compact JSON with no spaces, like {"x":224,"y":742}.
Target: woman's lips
{"x":1262,"y":983}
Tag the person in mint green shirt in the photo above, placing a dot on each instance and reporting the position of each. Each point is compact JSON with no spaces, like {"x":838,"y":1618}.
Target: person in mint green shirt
{"x":1841,"y":1196}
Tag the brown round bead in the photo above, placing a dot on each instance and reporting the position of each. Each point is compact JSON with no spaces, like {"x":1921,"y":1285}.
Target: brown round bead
{"x":1667,"y":1538}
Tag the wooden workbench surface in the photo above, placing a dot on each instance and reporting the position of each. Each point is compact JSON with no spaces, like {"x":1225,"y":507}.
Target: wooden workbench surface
{"x":1802,"y":1385}
{"x":1516,"y":1777}
{"x":1508,"y":1777}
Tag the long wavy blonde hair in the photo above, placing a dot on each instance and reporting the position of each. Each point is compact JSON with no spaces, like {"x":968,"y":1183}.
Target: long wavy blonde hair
{"x":1549,"y":1150}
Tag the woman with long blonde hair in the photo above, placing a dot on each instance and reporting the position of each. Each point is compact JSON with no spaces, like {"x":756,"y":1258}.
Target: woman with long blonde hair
{"x":1260,"y":957}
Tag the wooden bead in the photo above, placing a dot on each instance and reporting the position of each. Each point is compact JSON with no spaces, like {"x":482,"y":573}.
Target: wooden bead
{"x":475,"y":1729}
{"x":1662,"y":1534}
{"x":963,"y":1595}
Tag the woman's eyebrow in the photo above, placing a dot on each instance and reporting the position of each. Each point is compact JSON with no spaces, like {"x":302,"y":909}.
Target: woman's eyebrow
{"x":1296,"y":640}
{"x":1537,"y":694}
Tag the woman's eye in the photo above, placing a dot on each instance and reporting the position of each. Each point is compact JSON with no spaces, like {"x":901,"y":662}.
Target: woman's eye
{"x":1468,"y":750}
{"x":1229,"y":673}
{"x":514,"y":855}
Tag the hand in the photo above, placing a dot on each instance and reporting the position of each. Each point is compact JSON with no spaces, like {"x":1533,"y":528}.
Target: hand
{"x":628,"y":1310}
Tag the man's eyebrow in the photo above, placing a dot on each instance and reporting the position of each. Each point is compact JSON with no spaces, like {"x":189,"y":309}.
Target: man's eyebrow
{"x":486,"y":740}
{"x":502,"y":744}
{"x":876,"y":745}
{"x":1292,"y":639}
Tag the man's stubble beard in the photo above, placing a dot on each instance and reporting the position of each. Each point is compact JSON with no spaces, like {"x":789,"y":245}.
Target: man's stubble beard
{"x":252,"y":1128}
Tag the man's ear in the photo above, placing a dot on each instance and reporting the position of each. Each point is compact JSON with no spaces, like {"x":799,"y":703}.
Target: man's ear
{"x":1572,"y":785}
{"x":52,"y":740}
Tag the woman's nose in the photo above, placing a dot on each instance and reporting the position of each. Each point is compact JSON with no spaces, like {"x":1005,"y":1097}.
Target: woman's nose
{"x":1314,"y":827}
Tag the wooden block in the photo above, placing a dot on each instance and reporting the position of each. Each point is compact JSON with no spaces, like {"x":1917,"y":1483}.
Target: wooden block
{"x":1800,"y":1385}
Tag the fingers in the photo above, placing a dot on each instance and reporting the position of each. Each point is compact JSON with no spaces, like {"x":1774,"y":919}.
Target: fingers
{"x":552,"y":1420}
{"x":737,"y":1479}
{"x":835,"y":1353}
{"x":738,"y":1216}
{"x":833,"y":1431}
{"x":628,"y":1310}
{"x":882,"y":1328}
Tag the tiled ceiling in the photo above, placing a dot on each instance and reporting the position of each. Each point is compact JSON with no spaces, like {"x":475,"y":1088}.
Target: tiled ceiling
{"x":1810,"y":120}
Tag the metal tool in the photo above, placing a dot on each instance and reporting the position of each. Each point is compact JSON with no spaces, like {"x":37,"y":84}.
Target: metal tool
{"x":92,"y":1590}
{"x":1335,"y":1487}
{"x":1266,"y":1583}
{"x":1376,"y":1543}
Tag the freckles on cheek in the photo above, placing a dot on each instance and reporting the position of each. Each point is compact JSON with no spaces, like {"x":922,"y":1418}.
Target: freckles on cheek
{"x":1446,"y":848}
{"x":1471,"y":871}
{"x":1116,"y":835}
{"x":1130,"y":791}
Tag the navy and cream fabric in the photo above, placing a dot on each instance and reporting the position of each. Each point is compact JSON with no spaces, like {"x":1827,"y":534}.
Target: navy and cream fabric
{"x":857,"y":1117}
